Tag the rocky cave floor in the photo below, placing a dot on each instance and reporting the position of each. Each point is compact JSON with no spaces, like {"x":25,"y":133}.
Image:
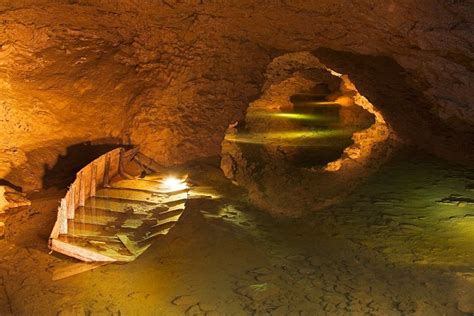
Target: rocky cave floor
{"x":390,"y":248}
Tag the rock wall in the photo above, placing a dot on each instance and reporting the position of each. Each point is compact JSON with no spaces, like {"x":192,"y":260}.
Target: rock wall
{"x":171,"y":75}
{"x":9,"y":199}
{"x":261,"y":162}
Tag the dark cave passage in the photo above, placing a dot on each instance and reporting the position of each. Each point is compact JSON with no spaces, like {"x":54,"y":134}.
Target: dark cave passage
{"x":286,"y":157}
{"x":308,"y":139}
{"x":313,"y":133}
{"x":77,"y":156}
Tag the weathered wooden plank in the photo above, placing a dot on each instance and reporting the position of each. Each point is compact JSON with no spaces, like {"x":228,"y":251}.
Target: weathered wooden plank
{"x":118,"y":195}
{"x":124,"y":160}
{"x":69,"y":202}
{"x":137,"y":184}
{"x":113,"y":223}
{"x":176,"y":205}
{"x":105,"y":181}
{"x":159,"y":230}
{"x":114,"y":165}
{"x":129,"y":154}
{"x":112,"y":249}
{"x":115,"y":250}
{"x":169,"y":214}
{"x":74,"y":191}
{"x":62,"y":217}
{"x":97,"y":219}
{"x":123,"y":200}
{"x":160,"y":226}
{"x":131,"y":195}
{"x":93,"y":180}
{"x":85,"y":184}
{"x":121,"y":206}
{"x":55,"y":231}
{"x":100,"y":165}
{"x":125,"y":222}
{"x":79,"y":252}
{"x":89,"y":214}
{"x":170,"y":219}
{"x":115,"y":187}
{"x":146,"y":186}
{"x":95,"y":229}
{"x":156,"y":201}
{"x":148,"y":163}
{"x":82,"y":190}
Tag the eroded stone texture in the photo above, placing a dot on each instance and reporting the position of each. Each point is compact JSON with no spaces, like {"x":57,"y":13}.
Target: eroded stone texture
{"x":404,"y":108}
{"x":259,"y":153}
{"x":170,"y":76}
{"x":9,"y":199}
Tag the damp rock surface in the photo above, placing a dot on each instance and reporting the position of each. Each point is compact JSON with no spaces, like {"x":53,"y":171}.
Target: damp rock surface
{"x":10,"y":200}
{"x":356,"y":257}
{"x":172,"y":75}
{"x":307,"y":141}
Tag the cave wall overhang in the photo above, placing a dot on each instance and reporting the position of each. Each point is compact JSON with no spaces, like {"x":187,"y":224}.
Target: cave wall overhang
{"x":404,"y":107}
{"x":259,"y":152}
{"x":159,"y":74}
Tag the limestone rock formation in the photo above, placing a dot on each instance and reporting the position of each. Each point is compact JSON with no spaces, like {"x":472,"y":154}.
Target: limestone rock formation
{"x":265,"y":155}
{"x":9,"y":199}
{"x":170,"y":76}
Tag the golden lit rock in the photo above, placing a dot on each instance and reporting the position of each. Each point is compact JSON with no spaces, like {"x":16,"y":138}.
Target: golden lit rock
{"x":285,"y":157}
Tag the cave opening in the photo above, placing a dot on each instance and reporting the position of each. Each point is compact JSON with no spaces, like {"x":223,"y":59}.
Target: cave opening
{"x":312,"y":133}
{"x":77,"y":156}
{"x":338,"y":121}
{"x":236,"y":157}
{"x":310,"y":128}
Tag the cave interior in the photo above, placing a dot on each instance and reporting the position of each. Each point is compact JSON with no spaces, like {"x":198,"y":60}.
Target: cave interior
{"x":241,"y":157}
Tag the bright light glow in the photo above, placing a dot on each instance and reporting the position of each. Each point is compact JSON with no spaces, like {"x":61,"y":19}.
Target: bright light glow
{"x":299,"y":116}
{"x":263,"y":138}
{"x":288,"y":115}
{"x":174,"y":184}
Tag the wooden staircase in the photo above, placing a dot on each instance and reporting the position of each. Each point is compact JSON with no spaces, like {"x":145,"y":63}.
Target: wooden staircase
{"x":120,"y":217}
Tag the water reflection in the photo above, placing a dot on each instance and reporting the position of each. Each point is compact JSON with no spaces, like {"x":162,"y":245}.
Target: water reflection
{"x":311,"y":134}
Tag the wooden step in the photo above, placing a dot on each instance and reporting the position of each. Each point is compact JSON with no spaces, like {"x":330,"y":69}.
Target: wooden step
{"x":139,"y":196}
{"x":94,"y":230}
{"x":103,"y":217}
{"x":157,"y":200}
{"x":142,"y":184}
{"x":109,"y":232}
{"x":116,"y":250}
{"x":166,"y":216}
{"x":161,"y":229}
{"x":110,"y":220}
{"x":125,"y":193}
{"x":121,"y":206}
{"x":98,"y":217}
{"x":118,"y":221}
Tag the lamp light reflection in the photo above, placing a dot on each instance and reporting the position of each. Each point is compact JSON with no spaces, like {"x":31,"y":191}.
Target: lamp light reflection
{"x":174,"y":184}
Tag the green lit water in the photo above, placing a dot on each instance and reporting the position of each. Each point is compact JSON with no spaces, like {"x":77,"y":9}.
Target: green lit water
{"x":312,"y":134}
